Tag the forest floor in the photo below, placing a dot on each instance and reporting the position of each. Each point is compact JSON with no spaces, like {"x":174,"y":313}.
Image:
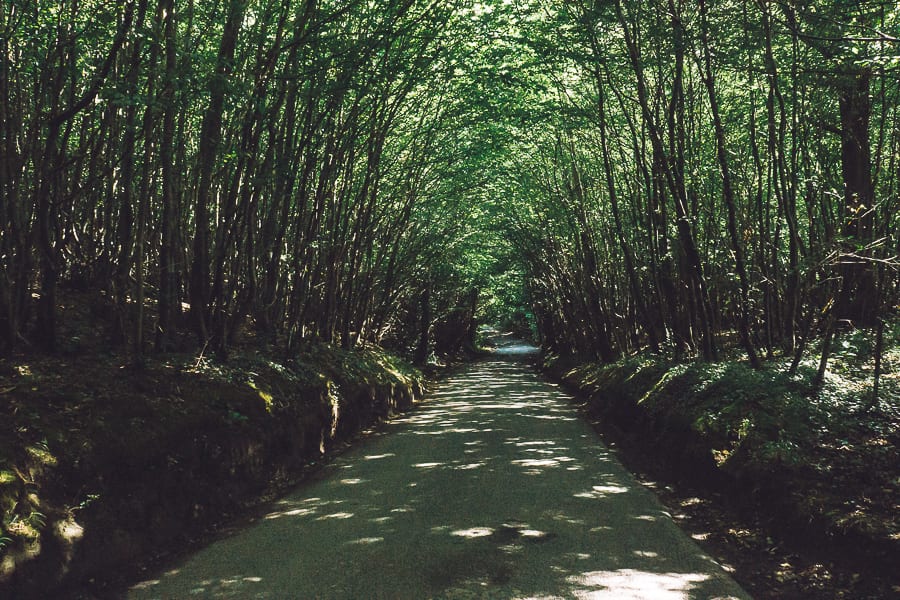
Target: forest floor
{"x":798,"y":488}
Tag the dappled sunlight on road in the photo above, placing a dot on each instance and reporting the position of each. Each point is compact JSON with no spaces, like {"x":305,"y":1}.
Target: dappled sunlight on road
{"x":625,"y":584}
{"x":494,"y":488}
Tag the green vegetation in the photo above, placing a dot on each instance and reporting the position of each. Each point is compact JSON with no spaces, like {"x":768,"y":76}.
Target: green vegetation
{"x":806,"y":458}
{"x":102,"y":466}
{"x":712,"y":184}
{"x":611,"y":175}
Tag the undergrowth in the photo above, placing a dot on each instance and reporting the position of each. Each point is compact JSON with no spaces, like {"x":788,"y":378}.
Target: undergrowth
{"x":74,"y":430}
{"x":824,"y":448}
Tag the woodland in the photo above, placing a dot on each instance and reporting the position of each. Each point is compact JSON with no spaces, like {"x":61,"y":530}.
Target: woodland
{"x":708,"y":182}
{"x":627,"y":174}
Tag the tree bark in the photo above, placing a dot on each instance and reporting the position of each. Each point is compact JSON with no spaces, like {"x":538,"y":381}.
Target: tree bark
{"x":169,"y":301}
{"x":210,"y":140}
{"x":421,"y":355}
{"x":727,"y":191}
{"x":859,"y":213}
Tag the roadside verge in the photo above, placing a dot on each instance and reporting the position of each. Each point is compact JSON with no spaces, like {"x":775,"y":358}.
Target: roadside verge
{"x":813,"y":476}
{"x":102,"y":467}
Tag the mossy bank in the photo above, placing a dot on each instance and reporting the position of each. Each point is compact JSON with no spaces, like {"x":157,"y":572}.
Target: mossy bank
{"x":102,"y":466}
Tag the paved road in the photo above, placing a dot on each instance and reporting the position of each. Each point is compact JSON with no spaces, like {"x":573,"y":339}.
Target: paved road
{"x":494,"y":488}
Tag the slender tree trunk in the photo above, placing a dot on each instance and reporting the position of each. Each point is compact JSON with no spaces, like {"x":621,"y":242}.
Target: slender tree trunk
{"x":48,"y":259}
{"x":169,"y":301}
{"x":126,"y":202}
{"x":425,"y":318}
{"x":10,"y":245}
{"x":859,"y":213}
{"x":785,"y":191}
{"x":210,"y":140}
{"x":148,"y":128}
{"x":728,"y":192}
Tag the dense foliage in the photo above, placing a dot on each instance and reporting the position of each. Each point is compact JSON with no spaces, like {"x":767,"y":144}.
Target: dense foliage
{"x":663,"y":174}
{"x":636,"y":183}
{"x":708,"y":168}
{"x":222,"y":163}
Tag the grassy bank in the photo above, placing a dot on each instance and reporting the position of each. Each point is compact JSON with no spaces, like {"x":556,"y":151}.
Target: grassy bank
{"x":103,"y":466}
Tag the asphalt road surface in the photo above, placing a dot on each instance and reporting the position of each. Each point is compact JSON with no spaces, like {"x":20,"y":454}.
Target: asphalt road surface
{"x":493,"y":488}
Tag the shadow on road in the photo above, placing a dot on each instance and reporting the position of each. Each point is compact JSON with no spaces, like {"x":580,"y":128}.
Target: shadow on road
{"x":493,"y":489}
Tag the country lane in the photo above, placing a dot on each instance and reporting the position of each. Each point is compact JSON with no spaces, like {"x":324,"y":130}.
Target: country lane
{"x":493,"y":488}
